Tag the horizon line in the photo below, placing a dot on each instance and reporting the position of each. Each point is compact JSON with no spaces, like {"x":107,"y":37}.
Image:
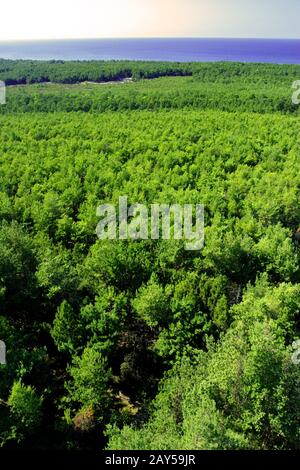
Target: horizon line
{"x":269,"y":38}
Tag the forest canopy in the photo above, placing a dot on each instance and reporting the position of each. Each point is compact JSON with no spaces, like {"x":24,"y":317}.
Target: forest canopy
{"x":142,"y":344}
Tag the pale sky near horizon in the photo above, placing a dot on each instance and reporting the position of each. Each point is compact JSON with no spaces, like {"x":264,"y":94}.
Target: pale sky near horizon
{"x":56,"y":19}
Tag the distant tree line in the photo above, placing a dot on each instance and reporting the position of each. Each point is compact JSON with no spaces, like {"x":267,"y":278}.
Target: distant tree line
{"x":15,"y":72}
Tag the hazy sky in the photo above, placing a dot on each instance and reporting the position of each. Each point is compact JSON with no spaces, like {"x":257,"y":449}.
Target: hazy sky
{"x":38,"y":19}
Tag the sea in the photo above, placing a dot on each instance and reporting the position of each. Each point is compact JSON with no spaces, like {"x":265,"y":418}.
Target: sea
{"x":279,"y":51}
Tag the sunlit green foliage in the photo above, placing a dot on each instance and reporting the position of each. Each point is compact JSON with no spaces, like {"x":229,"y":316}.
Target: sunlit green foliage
{"x":242,"y":394}
{"x":94,"y":328}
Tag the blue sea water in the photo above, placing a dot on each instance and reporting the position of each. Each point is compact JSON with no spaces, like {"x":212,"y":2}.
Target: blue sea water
{"x":280,"y":51}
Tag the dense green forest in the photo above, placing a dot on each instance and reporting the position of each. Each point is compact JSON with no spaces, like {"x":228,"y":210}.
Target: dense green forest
{"x":226,"y":87}
{"x":142,"y":344}
{"x":15,"y":72}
